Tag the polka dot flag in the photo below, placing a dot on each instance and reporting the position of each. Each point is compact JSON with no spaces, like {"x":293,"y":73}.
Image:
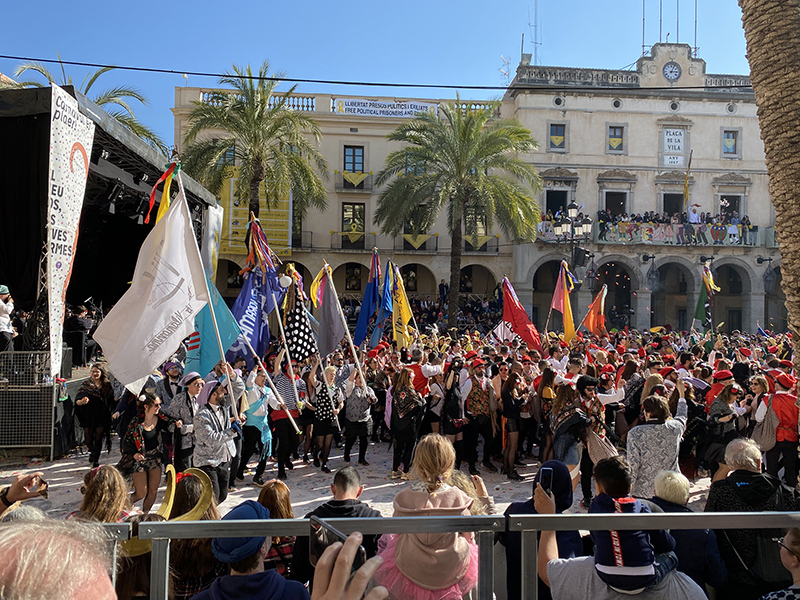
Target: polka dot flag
{"x":299,"y":337}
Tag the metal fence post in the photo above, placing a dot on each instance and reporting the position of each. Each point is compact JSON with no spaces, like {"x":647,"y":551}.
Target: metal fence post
{"x":159,"y":569}
{"x":485,"y":565}
{"x":529,"y":558}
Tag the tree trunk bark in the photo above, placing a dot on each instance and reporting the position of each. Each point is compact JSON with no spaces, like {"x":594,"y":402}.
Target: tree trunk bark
{"x":772,"y":31}
{"x":456,"y":238}
{"x":255,"y":184}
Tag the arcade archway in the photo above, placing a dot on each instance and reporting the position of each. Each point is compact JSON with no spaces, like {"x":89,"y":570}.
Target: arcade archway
{"x":672,"y":288}
{"x":727,"y":312}
{"x":477,"y":280}
{"x":419,"y":281}
{"x":544,"y":284}
{"x":619,"y":301}
{"x":776,"y":317}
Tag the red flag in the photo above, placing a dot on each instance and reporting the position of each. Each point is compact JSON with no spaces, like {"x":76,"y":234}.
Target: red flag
{"x":595,"y":320}
{"x":515,"y":315}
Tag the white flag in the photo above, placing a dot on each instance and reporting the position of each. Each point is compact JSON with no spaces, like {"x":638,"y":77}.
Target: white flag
{"x":169,"y":288}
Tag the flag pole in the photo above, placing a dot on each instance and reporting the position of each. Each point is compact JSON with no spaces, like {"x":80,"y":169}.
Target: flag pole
{"x":272,"y":385}
{"x":216,"y":327}
{"x":288,"y":355}
{"x":344,"y":322}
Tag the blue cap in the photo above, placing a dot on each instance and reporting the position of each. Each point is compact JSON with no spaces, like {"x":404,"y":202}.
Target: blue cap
{"x":231,"y":550}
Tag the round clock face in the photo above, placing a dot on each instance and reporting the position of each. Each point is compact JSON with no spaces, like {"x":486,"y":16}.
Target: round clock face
{"x":672,"y":71}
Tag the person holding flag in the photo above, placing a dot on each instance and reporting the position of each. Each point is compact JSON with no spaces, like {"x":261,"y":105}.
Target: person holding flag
{"x":561,"y":303}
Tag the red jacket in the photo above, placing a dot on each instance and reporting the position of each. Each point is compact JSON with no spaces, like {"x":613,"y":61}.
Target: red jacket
{"x":784,"y":405}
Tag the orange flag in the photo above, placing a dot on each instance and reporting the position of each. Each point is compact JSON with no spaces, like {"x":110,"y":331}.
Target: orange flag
{"x":595,"y":320}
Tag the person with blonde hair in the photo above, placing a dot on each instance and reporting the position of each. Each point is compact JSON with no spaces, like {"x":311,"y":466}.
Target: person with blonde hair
{"x":696,"y":549}
{"x":430,"y":566}
{"x":328,"y":403}
{"x":105,"y":496}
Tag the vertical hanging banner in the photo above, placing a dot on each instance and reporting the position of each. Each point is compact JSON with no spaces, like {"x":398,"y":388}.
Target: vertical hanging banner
{"x":212,"y":231}
{"x":71,"y":136}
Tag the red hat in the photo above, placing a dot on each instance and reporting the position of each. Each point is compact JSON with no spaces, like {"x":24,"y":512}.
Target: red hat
{"x":607,"y":369}
{"x":667,"y":370}
{"x":470,"y":354}
{"x":526,"y":359}
{"x":563,"y":344}
{"x":372,"y":353}
{"x":786,"y":363}
{"x":786,"y":380}
{"x":477,"y":363}
{"x":604,"y":377}
{"x":620,"y":349}
{"x":724,"y":374}
{"x":746,"y":352}
{"x":772,"y":349}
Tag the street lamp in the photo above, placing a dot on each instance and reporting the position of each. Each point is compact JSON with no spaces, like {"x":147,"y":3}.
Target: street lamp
{"x":572,"y":228}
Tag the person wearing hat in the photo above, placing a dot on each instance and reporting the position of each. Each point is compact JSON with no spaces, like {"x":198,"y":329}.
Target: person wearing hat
{"x":6,"y":329}
{"x":245,"y":556}
{"x":215,"y":430}
{"x":184,"y":406}
{"x":480,"y":404}
{"x":721,"y":379}
{"x":784,"y":403}
{"x":167,"y":388}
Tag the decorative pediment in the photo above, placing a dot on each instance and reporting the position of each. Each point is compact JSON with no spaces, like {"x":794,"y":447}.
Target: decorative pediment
{"x":558,"y":173}
{"x":674,"y":119}
{"x":616,"y":175}
{"x":673,"y":177}
{"x":732,"y":179}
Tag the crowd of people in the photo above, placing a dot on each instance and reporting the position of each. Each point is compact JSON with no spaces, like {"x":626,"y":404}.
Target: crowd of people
{"x":678,"y":228}
{"x":632,"y":417}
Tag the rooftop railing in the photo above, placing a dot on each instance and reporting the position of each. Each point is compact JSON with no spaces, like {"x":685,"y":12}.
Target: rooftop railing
{"x":485,"y":526}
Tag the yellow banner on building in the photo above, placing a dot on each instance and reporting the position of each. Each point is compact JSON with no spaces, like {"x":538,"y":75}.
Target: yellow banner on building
{"x":557,"y":141}
{"x":354,"y":177}
{"x":416,"y":240}
{"x":276,"y":220}
{"x":614,"y":142}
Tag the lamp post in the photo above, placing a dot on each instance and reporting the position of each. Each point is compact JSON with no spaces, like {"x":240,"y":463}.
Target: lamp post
{"x":572,"y":226}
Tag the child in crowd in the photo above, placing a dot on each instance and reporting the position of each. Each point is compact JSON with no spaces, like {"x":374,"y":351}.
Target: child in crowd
{"x":628,"y":561}
{"x":430,"y":566}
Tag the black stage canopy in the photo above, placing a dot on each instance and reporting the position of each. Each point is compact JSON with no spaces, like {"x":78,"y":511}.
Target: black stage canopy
{"x":122,"y":172}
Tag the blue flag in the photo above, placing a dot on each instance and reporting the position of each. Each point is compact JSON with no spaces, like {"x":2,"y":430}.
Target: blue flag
{"x":203,"y":353}
{"x":385,"y":306}
{"x":370,"y":302}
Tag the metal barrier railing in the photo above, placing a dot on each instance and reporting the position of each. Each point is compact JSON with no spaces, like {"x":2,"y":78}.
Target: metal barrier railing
{"x":27,"y":401}
{"x":485,"y":526}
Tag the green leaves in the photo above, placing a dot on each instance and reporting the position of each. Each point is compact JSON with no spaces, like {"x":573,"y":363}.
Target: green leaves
{"x":272,"y":142}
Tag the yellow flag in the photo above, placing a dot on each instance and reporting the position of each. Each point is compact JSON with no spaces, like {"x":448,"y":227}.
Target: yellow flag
{"x":315,"y":286}
{"x":401,"y":310}
{"x":162,"y":208}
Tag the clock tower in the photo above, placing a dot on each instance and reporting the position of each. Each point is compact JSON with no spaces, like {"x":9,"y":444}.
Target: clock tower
{"x":671,"y":65}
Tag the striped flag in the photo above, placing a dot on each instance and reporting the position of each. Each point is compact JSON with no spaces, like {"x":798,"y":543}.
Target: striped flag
{"x":561,"y":303}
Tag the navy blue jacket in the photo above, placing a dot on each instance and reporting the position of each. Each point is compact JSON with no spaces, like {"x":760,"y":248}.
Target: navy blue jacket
{"x":267,"y":585}
{"x":697,"y":551}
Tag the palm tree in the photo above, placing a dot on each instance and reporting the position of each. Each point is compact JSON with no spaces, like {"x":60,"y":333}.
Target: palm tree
{"x":466,"y":160}
{"x":113,"y":100}
{"x":772,"y":31}
{"x":270,"y":142}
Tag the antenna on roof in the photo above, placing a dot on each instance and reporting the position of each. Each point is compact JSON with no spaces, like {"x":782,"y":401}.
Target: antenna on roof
{"x":535,"y":33}
{"x":660,"y":18}
{"x":695,"y":49}
{"x":644,"y":52}
{"x":677,"y":21}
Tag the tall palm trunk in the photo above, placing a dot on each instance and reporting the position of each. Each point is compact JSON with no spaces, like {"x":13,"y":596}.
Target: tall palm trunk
{"x":255,"y":184}
{"x":772,"y":31}
{"x":456,"y":237}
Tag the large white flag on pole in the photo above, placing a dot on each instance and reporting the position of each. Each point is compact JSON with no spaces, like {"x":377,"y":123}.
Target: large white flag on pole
{"x":168,"y":289}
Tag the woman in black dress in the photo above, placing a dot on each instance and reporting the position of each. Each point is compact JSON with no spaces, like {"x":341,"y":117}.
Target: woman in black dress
{"x":92,"y":403}
{"x":328,"y":402}
{"x":141,"y":454}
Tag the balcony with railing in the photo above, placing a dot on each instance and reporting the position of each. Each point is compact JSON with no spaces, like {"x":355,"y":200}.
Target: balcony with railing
{"x":294,"y":102}
{"x":422,"y":243}
{"x":352,"y":181}
{"x":665,"y":234}
{"x":352,"y":240}
{"x":302,"y":240}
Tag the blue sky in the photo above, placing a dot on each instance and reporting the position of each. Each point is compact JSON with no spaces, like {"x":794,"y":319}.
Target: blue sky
{"x":445,"y":42}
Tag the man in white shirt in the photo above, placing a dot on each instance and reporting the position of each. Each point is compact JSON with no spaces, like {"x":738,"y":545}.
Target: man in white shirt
{"x":6,"y":329}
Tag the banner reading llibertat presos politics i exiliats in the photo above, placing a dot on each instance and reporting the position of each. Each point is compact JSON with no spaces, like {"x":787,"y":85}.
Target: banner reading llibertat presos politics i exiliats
{"x":71,"y":136}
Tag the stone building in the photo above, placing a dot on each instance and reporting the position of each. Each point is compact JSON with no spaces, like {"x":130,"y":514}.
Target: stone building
{"x":622,"y":140}
{"x":354,"y":143}
{"x":608,"y":139}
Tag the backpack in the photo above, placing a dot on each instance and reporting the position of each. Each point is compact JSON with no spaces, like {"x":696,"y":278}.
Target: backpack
{"x":767,"y":567}
{"x":764,"y":432}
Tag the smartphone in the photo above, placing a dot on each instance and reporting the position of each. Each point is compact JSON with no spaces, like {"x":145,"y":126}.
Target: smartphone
{"x":322,"y":536}
{"x":546,"y":480}
{"x":39,"y":485}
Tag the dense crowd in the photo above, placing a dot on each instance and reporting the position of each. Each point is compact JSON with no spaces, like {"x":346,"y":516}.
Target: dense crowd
{"x":631,"y":417}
